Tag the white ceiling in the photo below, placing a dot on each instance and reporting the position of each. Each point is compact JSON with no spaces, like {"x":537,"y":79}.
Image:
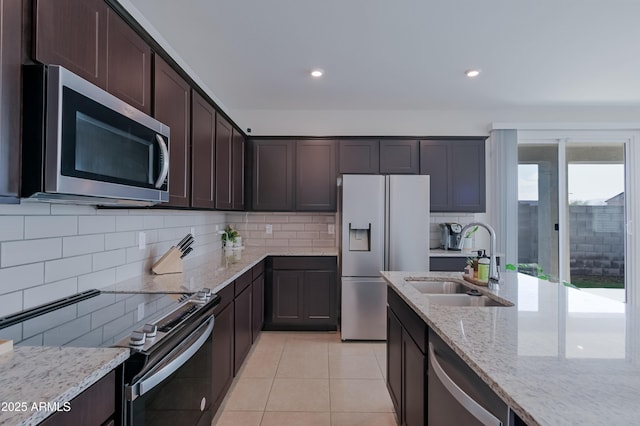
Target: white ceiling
{"x":407,"y":54}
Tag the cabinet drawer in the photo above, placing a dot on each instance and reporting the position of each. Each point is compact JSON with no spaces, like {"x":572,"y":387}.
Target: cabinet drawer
{"x":257,"y":270}
{"x":305,"y":262}
{"x":414,"y":325}
{"x":226,"y":297}
{"x":243,"y":281}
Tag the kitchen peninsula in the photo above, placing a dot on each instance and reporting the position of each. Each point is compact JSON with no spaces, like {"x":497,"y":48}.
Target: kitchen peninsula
{"x":557,"y":356}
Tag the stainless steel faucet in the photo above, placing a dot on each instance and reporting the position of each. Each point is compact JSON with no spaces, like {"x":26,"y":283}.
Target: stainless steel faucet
{"x":494,"y":276}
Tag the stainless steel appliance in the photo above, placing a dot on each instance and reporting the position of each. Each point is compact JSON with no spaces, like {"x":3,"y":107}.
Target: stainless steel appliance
{"x":168,"y":376}
{"x":451,"y":236}
{"x":84,"y":145}
{"x":385,"y":226}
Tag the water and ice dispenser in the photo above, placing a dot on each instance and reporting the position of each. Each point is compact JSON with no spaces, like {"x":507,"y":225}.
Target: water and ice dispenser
{"x":359,"y":237}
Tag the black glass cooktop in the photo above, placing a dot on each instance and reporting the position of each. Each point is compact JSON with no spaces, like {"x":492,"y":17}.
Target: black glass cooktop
{"x":99,"y":320}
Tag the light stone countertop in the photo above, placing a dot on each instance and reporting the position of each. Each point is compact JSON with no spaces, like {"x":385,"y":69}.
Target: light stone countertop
{"x":30,"y":375}
{"x":559,"y":356}
{"x":58,"y":374}
{"x":214,"y":270}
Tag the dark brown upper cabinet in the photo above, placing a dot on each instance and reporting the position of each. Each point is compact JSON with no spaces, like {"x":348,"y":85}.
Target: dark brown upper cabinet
{"x":315,"y":175}
{"x":128,"y":64}
{"x":360,"y":156}
{"x":399,"y":157}
{"x":172,"y":107}
{"x":203,"y":143}
{"x":10,"y":97}
{"x":73,"y":33}
{"x":224,"y":163}
{"x":457,"y":170}
{"x":272,"y":174}
{"x":237,"y":170}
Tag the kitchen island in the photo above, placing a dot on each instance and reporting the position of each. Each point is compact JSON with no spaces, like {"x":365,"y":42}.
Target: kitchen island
{"x":557,"y":356}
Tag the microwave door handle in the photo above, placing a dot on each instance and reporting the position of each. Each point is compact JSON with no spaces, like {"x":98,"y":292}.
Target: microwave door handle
{"x":165,"y":161}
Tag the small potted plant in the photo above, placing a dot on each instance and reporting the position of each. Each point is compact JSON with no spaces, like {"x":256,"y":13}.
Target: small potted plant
{"x":229,"y":236}
{"x":468,"y":239}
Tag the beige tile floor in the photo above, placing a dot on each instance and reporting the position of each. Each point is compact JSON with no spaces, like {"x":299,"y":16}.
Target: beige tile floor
{"x":309,"y":379}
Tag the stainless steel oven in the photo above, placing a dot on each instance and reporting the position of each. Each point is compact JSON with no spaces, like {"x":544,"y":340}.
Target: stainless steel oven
{"x":167,"y":379}
{"x":84,"y":145}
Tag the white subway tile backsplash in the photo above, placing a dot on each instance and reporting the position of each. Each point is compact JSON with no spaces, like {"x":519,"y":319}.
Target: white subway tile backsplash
{"x":84,"y":244}
{"x":11,"y":228}
{"x":20,"y":277}
{"x":98,"y":279}
{"x":129,"y":223}
{"x":300,"y":219}
{"x":119,"y":240}
{"x":96,"y":224}
{"x":10,"y":303}
{"x":131,"y":270}
{"x":72,"y":209}
{"x":25,"y":208}
{"x":109,"y":259}
{"x":50,"y":226}
{"x":45,"y":293}
{"x":29,"y":251}
{"x":152,"y":222}
{"x":55,"y":270}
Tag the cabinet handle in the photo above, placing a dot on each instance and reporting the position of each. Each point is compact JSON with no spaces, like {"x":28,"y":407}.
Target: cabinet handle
{"x":468,"y":403}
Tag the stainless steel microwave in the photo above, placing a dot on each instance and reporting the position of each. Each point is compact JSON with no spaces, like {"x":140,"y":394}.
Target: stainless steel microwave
{"x":83,"y":145}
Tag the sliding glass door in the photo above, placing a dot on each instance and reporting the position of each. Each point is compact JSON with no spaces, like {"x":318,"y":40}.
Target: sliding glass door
{"x":572,"y":213}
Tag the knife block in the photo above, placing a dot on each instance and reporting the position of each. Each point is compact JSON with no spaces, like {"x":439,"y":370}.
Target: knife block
{"x":169,"y":263}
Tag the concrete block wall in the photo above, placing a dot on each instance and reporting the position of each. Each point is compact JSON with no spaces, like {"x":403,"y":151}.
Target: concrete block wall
{"x":287,"y":229}
{"x":48,"y":251}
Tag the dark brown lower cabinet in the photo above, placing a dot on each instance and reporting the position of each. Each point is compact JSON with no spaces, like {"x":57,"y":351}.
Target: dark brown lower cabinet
{"x":222,"y":350}
{"x":242,"y":323}
{"x":94,"y":406}
{"x":394,"y":361}
{"x":301,"y":293}
{"x":407,"y":338}
{"x":257,"y":305}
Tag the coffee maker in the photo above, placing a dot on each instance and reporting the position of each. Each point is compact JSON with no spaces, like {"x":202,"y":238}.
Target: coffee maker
{"x":450,"y":236}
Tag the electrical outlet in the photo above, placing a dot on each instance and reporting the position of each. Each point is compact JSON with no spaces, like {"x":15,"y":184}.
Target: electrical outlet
{"x":142,"y":240}
{"x":217,"y":228}
{"x":269,"y":229}
{"x":193,"y":231}
{"x":331,"y":229}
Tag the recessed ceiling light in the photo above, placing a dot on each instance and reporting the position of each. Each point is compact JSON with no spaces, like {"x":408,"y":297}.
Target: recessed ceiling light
{"x":317,"y":73}
{"x":472,"y":73}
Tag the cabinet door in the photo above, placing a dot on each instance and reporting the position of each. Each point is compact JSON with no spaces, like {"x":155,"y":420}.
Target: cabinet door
{"x":319,"y":306}
{"x":435,"y":161}
{"x":203,"y":127}
{"x":287,"y":294}
{"x":128,"y":64}
{"x":223,"y":163}
{"x":399,"y":157}
{"x":171,"y":105}
{"x":468,"y":182}
{"x":237,"y":171}
{"x":10,"y":96}
{"x":222,"y":355}
{"x":257,"y":305}
{"x":394,"y":361}
{"x":360,"y":156}
{"x":413,"y":382}
{"x":316,"y":175}
{"x":243,"y":326}
{"x":272,"y":184}
{"x":73,"y":33}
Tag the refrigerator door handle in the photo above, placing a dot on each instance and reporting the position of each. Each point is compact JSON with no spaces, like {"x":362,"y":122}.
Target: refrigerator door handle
{"x":387,"y":223}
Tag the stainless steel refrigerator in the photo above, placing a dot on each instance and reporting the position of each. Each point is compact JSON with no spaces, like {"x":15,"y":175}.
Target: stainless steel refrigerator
{"x":385,"y":227}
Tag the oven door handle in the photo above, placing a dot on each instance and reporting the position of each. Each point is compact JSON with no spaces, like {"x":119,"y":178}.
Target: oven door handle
{"x":173,"y":363}
{"x":164,"y":157}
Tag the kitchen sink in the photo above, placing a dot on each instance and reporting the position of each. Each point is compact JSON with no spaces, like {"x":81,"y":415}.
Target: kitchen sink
{"x":462,"y":300}
{"x":438,"y":287}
